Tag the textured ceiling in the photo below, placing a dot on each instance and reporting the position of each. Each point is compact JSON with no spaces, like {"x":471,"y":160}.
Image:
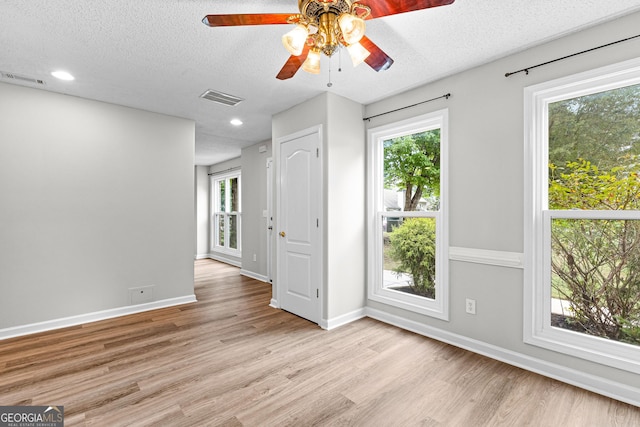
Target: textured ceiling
{"x":157,"y":55}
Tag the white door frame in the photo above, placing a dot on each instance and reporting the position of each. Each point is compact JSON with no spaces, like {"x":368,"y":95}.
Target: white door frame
{"x":277,"y":288}
{"x":270,"y":224}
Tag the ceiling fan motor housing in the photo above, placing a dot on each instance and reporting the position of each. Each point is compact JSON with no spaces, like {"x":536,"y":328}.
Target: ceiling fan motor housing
{"x":314,"y":8}
{"x":324,"y":14}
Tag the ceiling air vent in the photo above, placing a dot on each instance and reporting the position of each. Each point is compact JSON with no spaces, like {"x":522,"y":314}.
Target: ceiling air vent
{"x":18,"y":77}
{"x":221,"y":98}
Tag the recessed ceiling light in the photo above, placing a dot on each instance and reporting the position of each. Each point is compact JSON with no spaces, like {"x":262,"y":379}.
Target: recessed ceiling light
{"x":62,"y":75}
{"x":236,"y":122}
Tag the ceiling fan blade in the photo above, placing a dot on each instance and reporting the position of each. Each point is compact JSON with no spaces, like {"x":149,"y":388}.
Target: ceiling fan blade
{"x":378,"y":60}
{"x":293,"y":64}
{"x":385,"y":8}
{"x":246,"y":19}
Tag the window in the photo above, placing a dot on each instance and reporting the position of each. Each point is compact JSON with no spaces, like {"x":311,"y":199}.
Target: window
{"x":226,"y":213}
{"x":582,"y":293}
{"x":407,"y":214}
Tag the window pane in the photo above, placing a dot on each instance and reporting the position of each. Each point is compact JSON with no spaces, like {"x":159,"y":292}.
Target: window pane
{"x":595,"y":269}
{"x":599,"y":127}
{"x":233,"y":231}
{"x":234,"y":196}
{"x":412,"y":172}
{"x":220,"y":230}
{"x":594,"y":143}
{"x":409,"y":256}
{"x":221,"y":196}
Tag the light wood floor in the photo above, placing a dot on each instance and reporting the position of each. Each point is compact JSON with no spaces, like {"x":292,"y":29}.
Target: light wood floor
{"x":231,"y":360}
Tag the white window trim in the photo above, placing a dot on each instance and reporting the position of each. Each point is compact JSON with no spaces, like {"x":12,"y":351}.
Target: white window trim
{"x":438,"y":308}
{"x":537,"y":290}
{"x":214,"y":204}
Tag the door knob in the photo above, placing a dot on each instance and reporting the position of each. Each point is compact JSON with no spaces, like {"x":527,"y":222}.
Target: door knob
{"x":282,"y":234}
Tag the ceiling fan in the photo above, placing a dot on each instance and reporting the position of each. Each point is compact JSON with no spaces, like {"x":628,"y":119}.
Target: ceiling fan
{"x":323,"y":26}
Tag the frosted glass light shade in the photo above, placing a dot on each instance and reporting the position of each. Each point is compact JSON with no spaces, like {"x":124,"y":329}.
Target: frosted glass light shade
{"x":358,"y":53}
{"x":295,"y":39}
{"x":352,"y":27}
{"x":312,"y":63}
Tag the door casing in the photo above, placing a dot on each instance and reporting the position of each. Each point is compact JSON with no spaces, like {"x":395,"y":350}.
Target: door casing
{"x":313,"y":136}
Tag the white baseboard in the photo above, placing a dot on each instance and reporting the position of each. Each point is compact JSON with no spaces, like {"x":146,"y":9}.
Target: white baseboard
{"x":583,"y":380}
{"x":253,"y":275}
{"x":335,"y":322}
{"x":234,"y":262}
{"x":274,"y":303}
{"x":65,"y":322}
{"x":202,"y":256}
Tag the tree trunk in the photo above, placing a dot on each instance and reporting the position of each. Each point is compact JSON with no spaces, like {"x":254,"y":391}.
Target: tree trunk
{"x":411,"y":202}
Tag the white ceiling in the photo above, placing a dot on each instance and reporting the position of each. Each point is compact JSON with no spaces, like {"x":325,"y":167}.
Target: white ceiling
{"x":156,"y":55}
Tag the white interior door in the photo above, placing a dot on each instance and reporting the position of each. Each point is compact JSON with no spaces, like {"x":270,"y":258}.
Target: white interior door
{"x":298,"y":231}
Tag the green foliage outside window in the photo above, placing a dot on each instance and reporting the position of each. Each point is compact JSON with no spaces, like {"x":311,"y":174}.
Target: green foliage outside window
{"x":596,"y":263}
{"x":413,"y":245}
{"x":594,"y":142}
{"x":412,"y":164}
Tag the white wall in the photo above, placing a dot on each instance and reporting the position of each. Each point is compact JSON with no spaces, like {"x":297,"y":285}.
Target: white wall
{"x":96,"y":199}
{"x":254,"y":204}
{"x":202,"y":211}
{"x":486,"y":196}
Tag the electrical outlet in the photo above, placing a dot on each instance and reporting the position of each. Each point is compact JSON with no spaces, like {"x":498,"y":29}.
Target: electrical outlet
{"x":254,"y":257}
{"x":471,"y":306}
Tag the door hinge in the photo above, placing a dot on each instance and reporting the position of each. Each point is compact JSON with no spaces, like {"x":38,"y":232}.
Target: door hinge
{"x":317,"y":293}
{"x":317,"y":152}
{"x":317,"y":222}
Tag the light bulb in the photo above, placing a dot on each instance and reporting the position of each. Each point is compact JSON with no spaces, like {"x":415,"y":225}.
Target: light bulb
{"x":295,"y":39}
{"x":352,"y":27}
{"x":312,"y":63}
{"x":358,"y":53}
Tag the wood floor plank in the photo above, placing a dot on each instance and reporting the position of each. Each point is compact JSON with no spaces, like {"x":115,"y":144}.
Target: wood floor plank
{"x":231,"y":360}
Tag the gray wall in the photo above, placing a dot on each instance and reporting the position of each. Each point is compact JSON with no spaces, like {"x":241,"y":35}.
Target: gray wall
{"x":343,"y":159}
{"x":254,"y":203}
{"x":345,"y":233}
{"x":486,"y":182}
{"x":96,"y":199}
{"x":226,"y":166}
{"x":202,"y":211}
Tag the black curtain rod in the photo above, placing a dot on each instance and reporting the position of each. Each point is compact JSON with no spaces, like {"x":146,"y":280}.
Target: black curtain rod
{"x":526,"y":70}
{"x":408,"y":106}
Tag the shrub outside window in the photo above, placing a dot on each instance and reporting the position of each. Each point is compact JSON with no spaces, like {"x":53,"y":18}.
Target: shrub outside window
{"x":407,"y":205}
{"x":582,"y":293}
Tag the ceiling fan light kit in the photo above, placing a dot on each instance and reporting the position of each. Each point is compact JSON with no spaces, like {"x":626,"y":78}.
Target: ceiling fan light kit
{"x":295,"y":39}
{"x":312,"y":63}
{"x":324,"y":26}
{"x":358,"y":53}
{"x":352,"y":27}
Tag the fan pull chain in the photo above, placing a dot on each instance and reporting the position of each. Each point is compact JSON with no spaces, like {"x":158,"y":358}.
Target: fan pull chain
{"x":329,"y":84}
